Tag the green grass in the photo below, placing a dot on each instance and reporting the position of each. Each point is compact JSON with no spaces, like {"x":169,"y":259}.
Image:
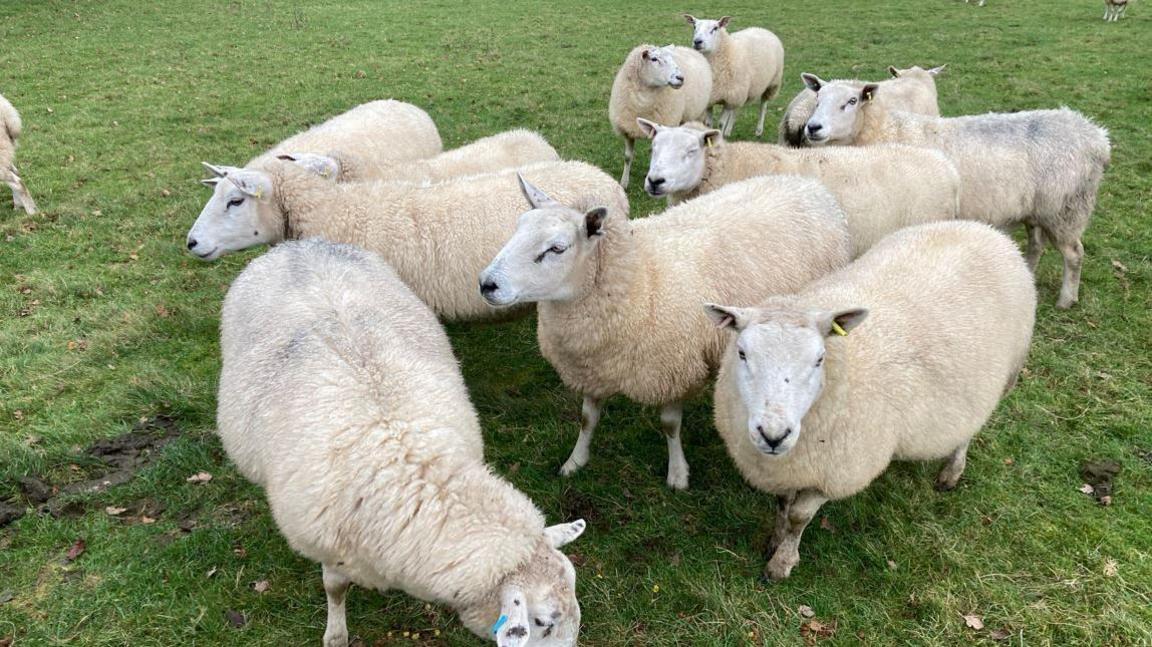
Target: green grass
{"x":121,"y":101}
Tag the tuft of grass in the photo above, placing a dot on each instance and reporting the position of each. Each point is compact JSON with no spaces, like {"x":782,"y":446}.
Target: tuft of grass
{"x":121,"y":100}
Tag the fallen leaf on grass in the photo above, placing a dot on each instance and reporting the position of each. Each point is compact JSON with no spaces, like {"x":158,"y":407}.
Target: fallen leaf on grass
{"x":806,"y":611}
{"x":235,"y":618}
{"x":1009,"y":461}
{"x":891,"y":565}
{"x":813,"y":629}
{"x":199,"y":477}
{"x":76,"y":550}
{"x":1111,"y":568}
{"x":1119,"y":267}
{"x":240,"y":552}
{"x":114,"y":511}
{"x":1087,"y":489}
{"x":6,"y":596}
{"x":6,"y":641}
{"x":211,"y":572}
{"x":1000,"y":634}
{"x":974,"y":622}
{"x":146,"y":520}
{"x":825,"y":524}
{"x":261,"y":586}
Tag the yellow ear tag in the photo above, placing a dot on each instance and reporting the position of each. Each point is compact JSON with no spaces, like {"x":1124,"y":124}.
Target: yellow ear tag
{"x":259,"y":194}
{"x":708,"y":142}
{"x":838,"y":330}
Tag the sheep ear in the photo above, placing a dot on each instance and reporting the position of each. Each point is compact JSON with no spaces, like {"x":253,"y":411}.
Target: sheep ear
{"x":728,"y":316}
{"x":564,"y":533}
{"x":594,"y":221}
{"x":646,"y":54}
{"x":218,"y":171}
{"x":322,"y":165}
{"x":893,"y":71}
{"x":690,"y":18}
{"x":511,"y":628}
{"x":869,"y":92}
{"x":840,"y":322}
{"x":937,"y":71}
{"x":537,"y":198}
{"x":711,"y":137}
{"x":212,"y":181}
{"x":811,"y":81}
{"x":724,"y":21}
{"x":649,"y":128}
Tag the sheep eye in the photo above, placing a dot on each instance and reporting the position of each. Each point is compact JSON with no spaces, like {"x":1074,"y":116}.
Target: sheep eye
{"x":743,"y":357}
{"x":555,"y":249}
{"x":235,"y":202}
{"x":820,"y":361}
{"x":852,"y":101}
{"x":787,"y":381}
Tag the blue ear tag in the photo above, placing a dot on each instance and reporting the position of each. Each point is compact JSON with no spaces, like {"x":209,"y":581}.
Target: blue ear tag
{"x":499,"y":623}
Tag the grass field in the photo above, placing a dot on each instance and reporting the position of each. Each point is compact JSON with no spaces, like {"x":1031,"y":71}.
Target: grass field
{"x":106,"y":325}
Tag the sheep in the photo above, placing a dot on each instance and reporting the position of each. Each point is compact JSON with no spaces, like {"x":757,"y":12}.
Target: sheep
{"x":747,"y":65}
{"x":438,"y":237}
{"x":668,"y":85}
{"x":618,"y":300}
{"x":880,"y":188}
{"x":340,"y":397}
{"x":912,"y":89}
{"x":377,"y":132}
{"x":812,"y":409}
{"x":10,"y":130}
{"x":504,"y":150}
{"x":1039,"y":168}
{"x":1114,"y":9}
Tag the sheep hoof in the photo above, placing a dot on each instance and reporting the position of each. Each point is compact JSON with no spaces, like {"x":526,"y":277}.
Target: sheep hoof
{"x":569,"y":467}
{"x":678,"y":481}
{"x":336,"y":639}
{"x":1064,"y":304}
{"x":943,"y":485}
{"x":776,"y":571}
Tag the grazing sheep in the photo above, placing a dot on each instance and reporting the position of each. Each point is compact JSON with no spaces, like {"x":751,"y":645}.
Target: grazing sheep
{"x":1114,"y":9}
{"x":1039,"y":168}
{"x":812,"y":415}
{"x":10,"y":129}
{"x":504,"y":150}
{"x":668,"y":85}
{"x":880,"y":188}
{"x":618,"y":300}
{"x":912,"y":90}
{"x":747,"y":66}
{"x":438,"y":237}
{"x":340,"y":396}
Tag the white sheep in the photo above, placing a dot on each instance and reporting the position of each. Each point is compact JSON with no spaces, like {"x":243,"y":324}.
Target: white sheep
{"x":377,"y":131}
{"x":912,"y":89}
{"x":10,"y":130}
{"x":1114,"y":9}
{"x":340,"y":396}
{"x":669,"y":85}
{"x":813,"y":408}
{"x":618,"y":300}
{"x":486,"y":155}
{"x":438,"y":237}
{"x":1039,"y":168}
{"x":880,"y":188}
{"x":747,"y":66}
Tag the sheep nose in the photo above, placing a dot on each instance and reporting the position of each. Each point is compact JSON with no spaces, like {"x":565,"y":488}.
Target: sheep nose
{"x":655,"y":182}
{"x":488,"y":287}
{"x":192,"y":243}
{"x":697,"y":43}
{"x":773,"y":443}
{"x":815,"y":128}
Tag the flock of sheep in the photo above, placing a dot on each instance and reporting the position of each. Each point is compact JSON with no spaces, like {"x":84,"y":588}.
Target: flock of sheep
{"x":851,"y":289}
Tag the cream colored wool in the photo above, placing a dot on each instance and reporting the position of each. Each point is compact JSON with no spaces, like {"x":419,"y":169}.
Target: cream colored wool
{"x":881,"y":188}
{"x":951,"y":309}
{"x":437,"y":237}
{"x":340,"y":396}
{"x":912,"y":90}
{"x":747,"y":66}
{"x":487,"y":155}
{"x":631,"y":322}
{"x":1039,"y":168}
{"x":10,"y":130}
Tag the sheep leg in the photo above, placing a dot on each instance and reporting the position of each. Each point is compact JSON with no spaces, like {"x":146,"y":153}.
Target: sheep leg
{"x":1035,"y":246}
{"x":953,"y":468}
{"x":728,"y":120}
{"x":671,"y":415}
{"x":800,"y":514}
{"x":336,"y":587}
{"x":708,"y":117}
{"x":763,"y":113}
{"x":589,"y":418}
{"x":1073,"y":253}
{"x":629,"y":154}
{"x":20,"y":195}
{"x":783,"y":502}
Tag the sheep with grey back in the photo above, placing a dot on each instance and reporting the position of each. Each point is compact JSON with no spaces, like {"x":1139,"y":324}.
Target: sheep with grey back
{"x":880,"y":188}
{"x":902,"y":355}
{"x":1039,"y":168}
{"x":618,"y":300}
{"x":486,"y":155}
{"x":912,"y":89}
{"x":10,"y":130}
{"x":340,"y":397}
{"x":747,"y":66}
{"x":668,"y":85}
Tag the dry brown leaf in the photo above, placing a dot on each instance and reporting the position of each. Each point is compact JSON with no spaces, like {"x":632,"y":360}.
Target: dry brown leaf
{"x":825,"y":524}
{"x":199,"y":477}
{"x":146,"y":520}
{"x":1119,"y":267}
{"x":77,"y":549}
{"x":1111,"y":568}
{"x":161,"y":311}
{"x":813,"y":629}
{"x":1009,"y":461}
{"x":114,"y":511}
{"x":891,"y":565}
{"x":974,"y":622}
{"x":235,"y":618}
{"x":1105,"y":500}
{"x":1000,"y":634}
{"x":261,"y":586}
{"x":806,"y":611}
